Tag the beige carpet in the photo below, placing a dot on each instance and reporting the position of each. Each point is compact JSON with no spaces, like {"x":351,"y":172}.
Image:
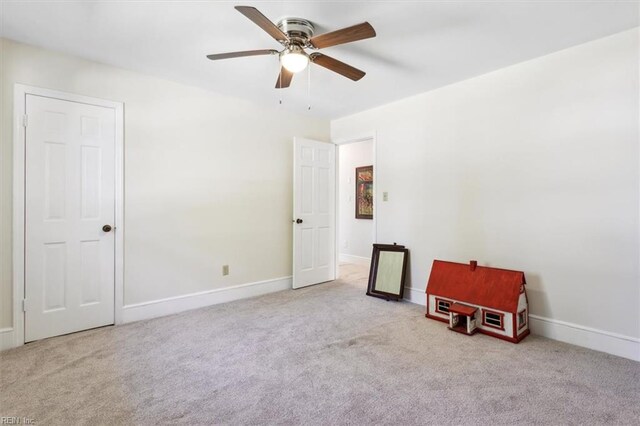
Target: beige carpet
{"x":325,"y":355}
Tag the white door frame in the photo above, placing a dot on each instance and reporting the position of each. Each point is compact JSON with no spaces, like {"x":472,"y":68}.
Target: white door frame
{"x":20,"y":93}
{"x":371,"y":136}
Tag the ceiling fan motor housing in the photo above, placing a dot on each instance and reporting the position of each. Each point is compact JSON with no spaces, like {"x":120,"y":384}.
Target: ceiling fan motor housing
{"x":299,"y":30}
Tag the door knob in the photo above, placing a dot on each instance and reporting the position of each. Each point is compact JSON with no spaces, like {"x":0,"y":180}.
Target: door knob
{"x":298,"y":221}
{"x":107,"y":228}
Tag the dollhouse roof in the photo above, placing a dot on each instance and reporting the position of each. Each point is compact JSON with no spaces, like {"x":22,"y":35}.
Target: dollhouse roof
{"x":477,"y":285}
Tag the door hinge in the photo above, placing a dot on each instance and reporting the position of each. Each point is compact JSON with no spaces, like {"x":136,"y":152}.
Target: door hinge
{"x":25,"y":120}
{"x":24,"y":305}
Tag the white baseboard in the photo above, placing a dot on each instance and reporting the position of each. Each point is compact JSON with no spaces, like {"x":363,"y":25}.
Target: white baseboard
{"x":358,"y":260}
{"x":173,"y":305}
{"x":416,"y":296}
{"x":7,"y":338}
{"x":599,"y":340}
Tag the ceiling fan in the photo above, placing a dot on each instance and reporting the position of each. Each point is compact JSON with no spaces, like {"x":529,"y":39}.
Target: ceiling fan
{"x":296,"y":35}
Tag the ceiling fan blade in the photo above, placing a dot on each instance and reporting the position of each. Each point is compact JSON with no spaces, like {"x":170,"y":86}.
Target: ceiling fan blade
{"x":337,"y":66}
{"x":263,"y":22}
{"x":345,"y":35}
{"x":284,"y":78}
{"x":217,"y":56}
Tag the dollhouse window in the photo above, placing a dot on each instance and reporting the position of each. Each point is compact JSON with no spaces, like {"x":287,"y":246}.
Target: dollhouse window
{"x":442,"y":306}
{"x":492,"y":319}
{"x":522,"y":319}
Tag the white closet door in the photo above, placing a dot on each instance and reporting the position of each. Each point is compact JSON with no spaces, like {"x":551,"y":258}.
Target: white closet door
{"x":70,"y":197}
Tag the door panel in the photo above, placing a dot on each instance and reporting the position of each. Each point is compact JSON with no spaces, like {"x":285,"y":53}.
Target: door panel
{"x":70,"y":195}
{"x":91,"y":172}
{"x":55,"y":164}
{"x":54,"y":276}
{"x":90,"y":272}
{"x":314,"y":204}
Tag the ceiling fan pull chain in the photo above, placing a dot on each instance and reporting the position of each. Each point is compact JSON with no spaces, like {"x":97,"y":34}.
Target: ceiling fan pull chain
{"x":279,"y":82}
{"x":309,"y":87}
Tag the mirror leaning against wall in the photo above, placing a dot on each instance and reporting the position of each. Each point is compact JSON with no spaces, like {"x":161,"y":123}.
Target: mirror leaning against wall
{"x":387,"y":271}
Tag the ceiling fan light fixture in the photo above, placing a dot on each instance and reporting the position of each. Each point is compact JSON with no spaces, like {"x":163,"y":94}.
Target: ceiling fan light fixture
{"x":294,"y":59}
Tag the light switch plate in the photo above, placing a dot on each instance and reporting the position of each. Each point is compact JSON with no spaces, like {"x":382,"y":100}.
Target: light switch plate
{"x":225,"y":269}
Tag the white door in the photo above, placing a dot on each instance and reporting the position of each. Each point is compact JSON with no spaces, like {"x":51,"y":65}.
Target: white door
{"x":70,"y":196}
{"x":313,"y":212}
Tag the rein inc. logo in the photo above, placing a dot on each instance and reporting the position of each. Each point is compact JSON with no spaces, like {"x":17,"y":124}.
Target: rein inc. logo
{"x":16,"y":420}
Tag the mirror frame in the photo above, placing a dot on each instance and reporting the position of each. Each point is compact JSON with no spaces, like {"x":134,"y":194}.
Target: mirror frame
{"x":373,"y":271}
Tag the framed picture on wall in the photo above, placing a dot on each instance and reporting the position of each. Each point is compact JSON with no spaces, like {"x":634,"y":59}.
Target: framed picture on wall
{"x":364,"y":192}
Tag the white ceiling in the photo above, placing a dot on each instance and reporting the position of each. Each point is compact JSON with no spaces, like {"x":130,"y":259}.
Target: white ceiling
{"x":420,"y":45}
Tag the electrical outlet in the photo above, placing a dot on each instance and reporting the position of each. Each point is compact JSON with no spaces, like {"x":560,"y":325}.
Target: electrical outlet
{"x":225,"y":269}
{"x":385,"y":196}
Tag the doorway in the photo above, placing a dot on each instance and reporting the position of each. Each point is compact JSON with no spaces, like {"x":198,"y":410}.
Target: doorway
{"x":355,"y":197}
{"x":67,"y":213}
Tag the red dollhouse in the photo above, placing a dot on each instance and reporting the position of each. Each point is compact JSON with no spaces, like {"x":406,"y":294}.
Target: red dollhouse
{"x":474,"y":298}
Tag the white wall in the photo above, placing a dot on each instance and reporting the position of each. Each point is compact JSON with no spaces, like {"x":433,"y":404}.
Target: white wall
{"x":532,"y":167}
{"x":207,"y":178}
{"x":355,"y":235}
